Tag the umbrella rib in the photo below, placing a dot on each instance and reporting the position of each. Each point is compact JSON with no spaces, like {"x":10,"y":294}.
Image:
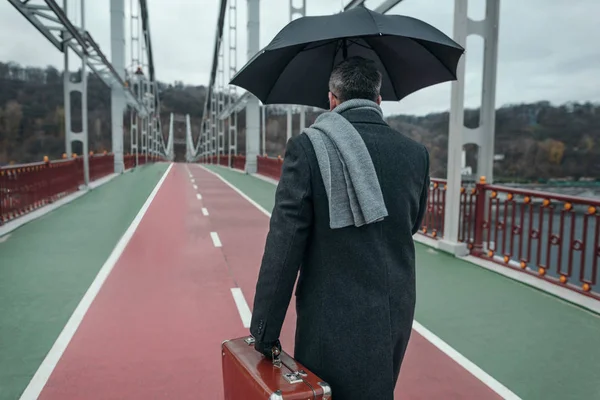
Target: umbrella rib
{"x":436,"y":57}
{"x":373,"y":18}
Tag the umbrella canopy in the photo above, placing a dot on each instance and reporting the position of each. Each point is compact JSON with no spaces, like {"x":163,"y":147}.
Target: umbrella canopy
{"x":295,"y":67}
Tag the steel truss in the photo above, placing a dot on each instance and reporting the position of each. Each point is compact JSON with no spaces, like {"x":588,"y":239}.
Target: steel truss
{"x":52,"y":22}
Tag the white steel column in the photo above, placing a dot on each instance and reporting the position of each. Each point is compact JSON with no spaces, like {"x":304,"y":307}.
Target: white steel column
{"x":288,"y":127}
{"x":484,"y":135}
{"x":220,"y":102}
{"x":488,"y":28}
{"x":117,"y":32}
{"x":455,"y":140}
{"x":232,"y":38}
{"x":252,"y":108}
{"x":264,"y":129}
{"x":169,"y":148}
{"x":84,"y":107}
{"x":189,"y":141}
{"x":134,"y":134}
{"x":213,"y":125}
{"x":67,"y":86}
{"x":81,"y":87}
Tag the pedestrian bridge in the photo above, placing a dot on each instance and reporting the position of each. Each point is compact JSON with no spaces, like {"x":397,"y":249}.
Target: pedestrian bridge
{"x":128,"y":289}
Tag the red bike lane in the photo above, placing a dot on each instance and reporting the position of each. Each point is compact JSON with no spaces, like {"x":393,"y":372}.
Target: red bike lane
{"x":155,"y":328}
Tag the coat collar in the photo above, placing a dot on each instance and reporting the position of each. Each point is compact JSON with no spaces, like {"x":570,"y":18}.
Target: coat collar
{"x":363,"y":116}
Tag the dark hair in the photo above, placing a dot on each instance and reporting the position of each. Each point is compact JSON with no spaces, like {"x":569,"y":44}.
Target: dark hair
{"x":355,"y":78}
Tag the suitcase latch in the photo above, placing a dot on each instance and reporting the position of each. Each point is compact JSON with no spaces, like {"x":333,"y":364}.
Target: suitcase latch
{"x":249,"y":340}
{"x":294,"y":377}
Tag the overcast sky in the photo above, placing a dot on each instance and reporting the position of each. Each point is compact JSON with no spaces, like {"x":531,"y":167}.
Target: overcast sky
{"x":548,"y":48}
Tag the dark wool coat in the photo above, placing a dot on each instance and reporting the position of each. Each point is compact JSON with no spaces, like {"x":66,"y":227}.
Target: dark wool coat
{"x":355,"y":296}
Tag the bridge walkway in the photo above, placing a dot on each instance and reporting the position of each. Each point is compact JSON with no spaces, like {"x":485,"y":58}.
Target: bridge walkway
{"x":128,"y":291}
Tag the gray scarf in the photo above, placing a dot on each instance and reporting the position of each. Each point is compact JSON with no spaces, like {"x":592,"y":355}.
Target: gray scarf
{"x":351,"y":183}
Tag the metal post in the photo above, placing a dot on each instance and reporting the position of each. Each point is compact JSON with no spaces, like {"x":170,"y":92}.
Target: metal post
{"x":67,"y":102}
{"x":455,"y":141}
{"x":133,"y":135}
{"x":117,"y":32}
{"x":288,"y":130}
{"x":252,"y":108}
{"x":302,"y":118}
{"x":264,"y":129}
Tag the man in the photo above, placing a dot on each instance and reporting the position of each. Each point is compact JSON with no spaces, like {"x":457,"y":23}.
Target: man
{"x":351,"y":195}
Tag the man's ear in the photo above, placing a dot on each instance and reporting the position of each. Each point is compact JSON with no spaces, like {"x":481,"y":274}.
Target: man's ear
{"x":332,"y":102}
{"x":378,"y":100}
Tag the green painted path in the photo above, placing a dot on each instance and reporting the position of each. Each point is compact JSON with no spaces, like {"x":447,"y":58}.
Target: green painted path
{"x":537,"y":345}
{"x":47,"y":265}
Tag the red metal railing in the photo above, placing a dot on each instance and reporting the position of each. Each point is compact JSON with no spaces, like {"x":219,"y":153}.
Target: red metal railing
{"x":270,"y":167}
{"x":551,"y":236}
{"x":24,"y":188}
{"x":433,"y":221}
{"x":101,"y":166}
{"x":223,"y":160}
{"x":239,"y":162}
{"x":129,"y":161}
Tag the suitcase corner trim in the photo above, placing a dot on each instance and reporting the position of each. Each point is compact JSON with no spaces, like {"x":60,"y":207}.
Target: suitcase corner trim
{"x":276,"y":395}
{"x":326,"y":390}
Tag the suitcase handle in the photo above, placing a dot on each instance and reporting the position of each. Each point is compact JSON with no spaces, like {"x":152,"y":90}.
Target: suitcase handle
{"x":275,"y":352}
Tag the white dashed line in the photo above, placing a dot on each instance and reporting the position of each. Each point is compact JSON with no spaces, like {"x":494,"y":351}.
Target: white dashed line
{"x":205,"y":212}
{"x":215,"y":239}
{"x":199,"y":196}
{"x":192,"y":180}
{"x":242,"y":306}
{"x":195,"y":187}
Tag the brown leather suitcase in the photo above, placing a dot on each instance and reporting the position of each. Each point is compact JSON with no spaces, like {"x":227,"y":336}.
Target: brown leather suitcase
{"x":248,"y":375}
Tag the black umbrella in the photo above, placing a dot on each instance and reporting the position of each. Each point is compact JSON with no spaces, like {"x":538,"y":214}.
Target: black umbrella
{"x":295,"y":67}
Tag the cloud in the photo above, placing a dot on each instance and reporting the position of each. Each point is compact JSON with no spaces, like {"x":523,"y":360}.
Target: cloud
{"x":547,"y":48}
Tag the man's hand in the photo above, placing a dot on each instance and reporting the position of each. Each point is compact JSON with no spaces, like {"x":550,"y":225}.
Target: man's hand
{"x":266,"y":349}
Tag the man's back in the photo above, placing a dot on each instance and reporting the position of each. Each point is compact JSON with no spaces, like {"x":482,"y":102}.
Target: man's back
{"x":356,"y":292}
{"x":351,"y":240}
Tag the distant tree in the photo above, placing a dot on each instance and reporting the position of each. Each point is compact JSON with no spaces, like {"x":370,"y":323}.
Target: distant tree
{"x":556,"y":151}
{"x":53,"y":76}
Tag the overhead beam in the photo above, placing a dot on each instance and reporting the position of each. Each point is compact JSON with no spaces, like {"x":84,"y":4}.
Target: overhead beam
{"x":146,"y":31}
{"x":387,"y":6}
{"x":383,"y":8}
{"x":237,"y":106}
{"x":218,"y":40}
{"x":353,"y":4}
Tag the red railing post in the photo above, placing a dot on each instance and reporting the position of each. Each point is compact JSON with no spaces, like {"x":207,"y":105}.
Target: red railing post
{"x":479,"y":216}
